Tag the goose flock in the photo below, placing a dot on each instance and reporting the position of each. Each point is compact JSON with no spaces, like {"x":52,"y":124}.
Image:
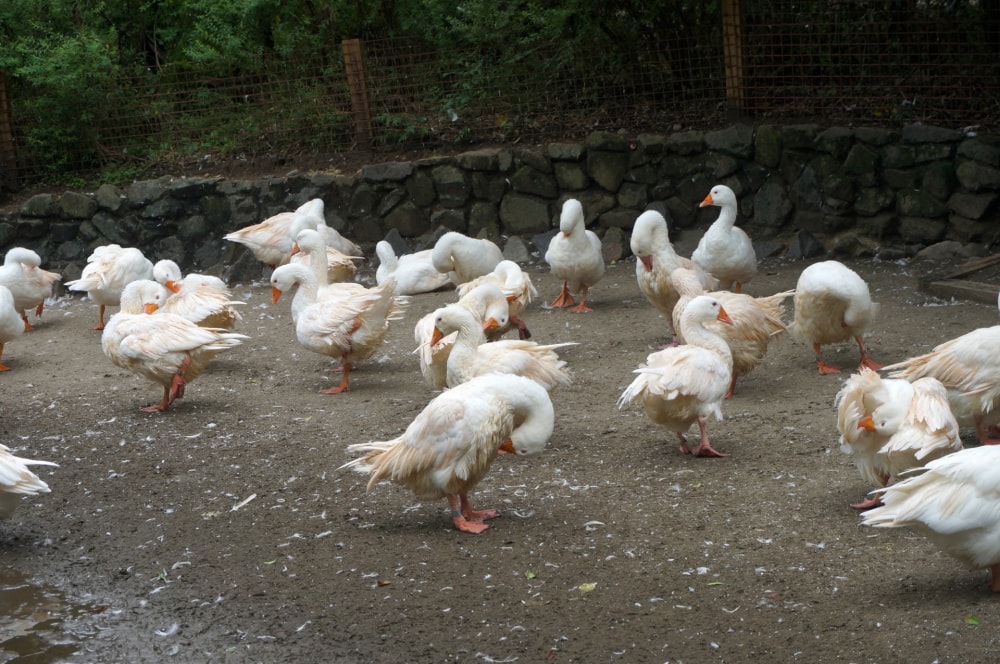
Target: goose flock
{"x":500,"y":396}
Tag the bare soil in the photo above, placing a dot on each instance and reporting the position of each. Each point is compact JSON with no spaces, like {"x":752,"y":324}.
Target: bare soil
{"x":222,"y":531}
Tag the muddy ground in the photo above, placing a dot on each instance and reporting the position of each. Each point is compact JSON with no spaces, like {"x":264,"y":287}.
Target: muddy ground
{"x":222,"y":531}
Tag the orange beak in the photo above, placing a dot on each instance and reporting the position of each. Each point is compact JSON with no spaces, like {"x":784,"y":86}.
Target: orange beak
{"x":295,"y":248}
{"x":173,"y":285}
{"x":867,"y":423}
{"x":507,"y":447}
{"x":724,"y":317}
{"x":436,"y":337}
{"x":150,"y":308}
{"x":647,"y":262}
{"x":490,"y":324}
{"x":511,"y":297}
{"x":708,"y":201}
{"x":275,"y":294}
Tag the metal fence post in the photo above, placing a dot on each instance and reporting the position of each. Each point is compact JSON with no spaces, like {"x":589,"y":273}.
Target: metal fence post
{"x":8,"y":155}
{"x":354,"y":64}
{"x":732,"y":44}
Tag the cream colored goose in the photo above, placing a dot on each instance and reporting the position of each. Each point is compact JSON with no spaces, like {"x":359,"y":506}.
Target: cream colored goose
{"x":349,"y":324}
{"x":464,"y":258}
{"x":682,"y":385}
{"x":11,"y":325}
{"x":316,"y":210}
{"x":448,"y":449}
{"x":955,"y":503}
{"x":832,"y":304}
{"x":516,"y":285}
{"x":201,"y":298}
{"x":756,"y":321}
{"x":488,"y":305}
{"x":472,"y":356}
{"x":108,"y":271}
{"x":165,"y":348}
{"x":271,"y":240}
{"x":656,"y":261}
{"x":725,"y":251}
{"x":414,"y":273}
{"x":575,"y":257}
{"x":28,"y":283}
{"x":310,"y":249}
{"x":17,"y":480}
{"x":968,"y":366}
{"x":890,"y":426}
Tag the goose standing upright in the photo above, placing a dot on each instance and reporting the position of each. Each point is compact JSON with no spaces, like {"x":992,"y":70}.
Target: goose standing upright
{"x":28,"y":283}
{"x":109,"y":270}
{"x":17,"y":480}
{"x":832,"y":304}
{"x":725,"y":251}
{"x":682,"y":385}
{"x":575,"y":256}
{"x":165,"y":348}
{"x":464,"y":258}
{"x":414,"y":273}
{"x":11,"y":325}
{"x":448,"y":449}
{"x":954,"y":503}
{"x":656,"y":261}
{"x":890,"y":426}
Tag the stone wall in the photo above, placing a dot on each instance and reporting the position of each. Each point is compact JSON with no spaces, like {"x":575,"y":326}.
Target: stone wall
{"x":858,"y":190}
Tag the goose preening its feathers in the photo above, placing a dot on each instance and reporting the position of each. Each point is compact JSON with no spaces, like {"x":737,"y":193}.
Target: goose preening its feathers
{"x":464,"y":258}
{"x":201,"y":298}
{"x":725,"y":251}
{"x":516,"y":286}
{"x":832,"y":304}
{"x":890,"y":426}
{"x":682,"y":385}
{"x":448,"y":449}
{"x":656,"y":261}
{"x":109,"y":270}
{"x":28,"y":283}
{"x":955,"y":502}
{"x":165,"y":348}
{"x":574,"y":255}
{"x":17,"y":480}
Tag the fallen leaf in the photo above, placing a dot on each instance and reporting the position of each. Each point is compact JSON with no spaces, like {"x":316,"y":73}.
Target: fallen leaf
{"x":530,"y":574}
{"x":971,"y":620}
{"x":270,"y":562}
{"x":383,"y":582}
{"x":586,"y":587}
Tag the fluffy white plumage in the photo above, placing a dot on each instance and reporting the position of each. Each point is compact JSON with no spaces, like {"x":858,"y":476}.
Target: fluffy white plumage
{"x":28,"y":283}
{"x":574,"y":255}
{"x":165,"y":348}
{"x":516,"y":286}
{"x":330,"y":264}
{"x":682,"y":385}
{"x":108,"y":271}
{"x":11,"y":324}
{"x":448,"y":449}
{"x":955,"y":502}
{"x":414,"y":273}
{"x":725,"y":251}
{"x":464,"y":258}
{"x":832,"y":304}
{"x":201,"y":298}
{"x":890,"y":426}
{"x":17,"y":480}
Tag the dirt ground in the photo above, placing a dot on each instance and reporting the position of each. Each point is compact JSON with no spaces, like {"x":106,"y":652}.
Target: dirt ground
{"x":222,"y":531}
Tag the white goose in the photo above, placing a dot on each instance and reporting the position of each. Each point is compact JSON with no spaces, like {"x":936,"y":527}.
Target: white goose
{"x":488,"y":305}
{"x":472,"y":356}
{"x":109,"y":270}
{"x":448,"y":449}
{"x":11,"y":325}
{"x":954,"y":502}
{"x":17,"y":480}
{"x":201,"y":298}
{"x":414,"y":273}
{"x":575,"y":256}
{"x":516,"y":285}
{"x":316,"y":210}
{"x":339,"y":266}
{"x":349,"y":323}
{"x":682,"y":385}
{"x":656,"y":261}
{"x":28,"y":283}
{"x":165,"y":348}
{"x":832,"y":304}
{"x":725,"y":251}
{"x":271,"y":240}
{"x":464,"y":258}
{"x":890,"y":426}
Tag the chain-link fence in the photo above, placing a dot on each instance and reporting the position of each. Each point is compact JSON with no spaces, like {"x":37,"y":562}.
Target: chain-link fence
{"x":825,"y":61}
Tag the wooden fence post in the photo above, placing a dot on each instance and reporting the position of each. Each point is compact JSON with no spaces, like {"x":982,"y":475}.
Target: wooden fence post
{"x":732,"y":42}
{"x":8,"y":155}
{"x":354,"y":64}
